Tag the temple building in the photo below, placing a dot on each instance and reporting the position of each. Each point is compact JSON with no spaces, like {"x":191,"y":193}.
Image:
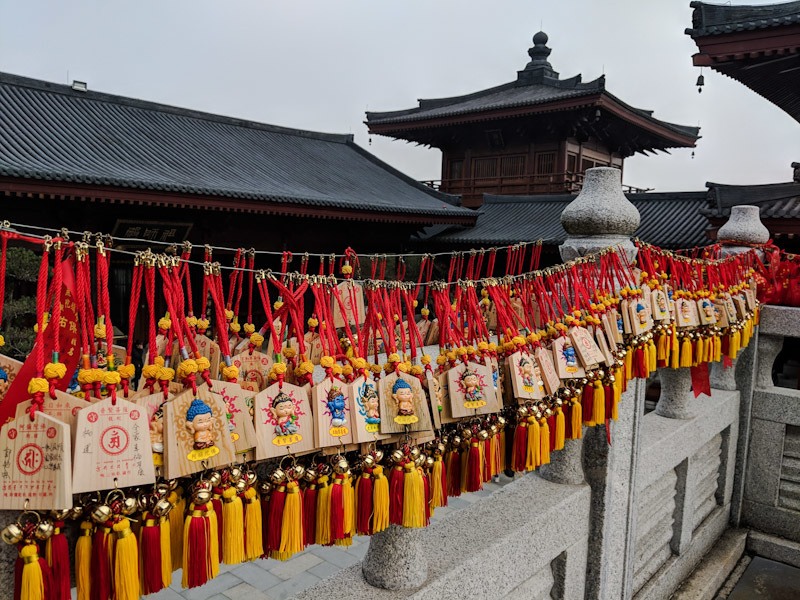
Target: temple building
{"x":535,"y":135}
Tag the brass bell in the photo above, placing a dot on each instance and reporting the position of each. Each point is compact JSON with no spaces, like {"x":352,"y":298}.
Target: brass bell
{"x":419,"y":461}
{"x":397,"y":456}
{"x":101,"y":513}
{"x":201,"y":497}
{"x":76,"y":512}
{"x":600,"y":374}
{"x":414,"y":452}
{"x":341,"y":466}
{"x":493,"y":429}
{"x":310,"y":475}
{"x":264,"y":488}
{"x":455,"y":441}
{"x":240,"y":486}
{"x":173,"y":484}
{"x":60,"y":515}
{"x":368,"y":462}
{"x":378,"y":456}
{"x":44,"y":529}
{"x":483,"y":435}
{"x":203,"y":484}
{"x":161,"y":508}
{"x":522,"y":411}
{"x":146,"y":501}
{"x":429,"y":462}
{"x":215,"y":478}
{"x":501,"y":421}
{"x":251,"y":478}
{"x":440,"y":449}
{"x":12,"y":534}
{"x":235,"y":474}
{"x":129,"y":506}
{"x":278,"y":476}
{"x":162,"y":488}
{"x":297,"y":472}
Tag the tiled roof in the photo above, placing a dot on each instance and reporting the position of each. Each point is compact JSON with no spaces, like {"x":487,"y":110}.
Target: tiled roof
{"x":775,"y":200}
{"x":717,"y":19}
{"x":670,"y":220}
{"x":52,"y":132}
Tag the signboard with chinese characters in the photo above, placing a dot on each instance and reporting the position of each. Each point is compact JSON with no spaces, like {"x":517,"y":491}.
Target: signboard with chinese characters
{"x":150,"y":231}
{"x":112,"y":447}
{"x":64,"y":407}
{"x":36,"y":464}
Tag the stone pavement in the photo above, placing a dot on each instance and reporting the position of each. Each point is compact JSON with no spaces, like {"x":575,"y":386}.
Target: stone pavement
{"x":269,"y":579}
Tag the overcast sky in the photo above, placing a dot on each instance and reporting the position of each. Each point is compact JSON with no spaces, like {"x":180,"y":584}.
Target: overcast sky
{"x":319,"y":64}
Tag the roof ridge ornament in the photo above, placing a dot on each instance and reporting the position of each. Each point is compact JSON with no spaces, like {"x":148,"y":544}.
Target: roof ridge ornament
{"x":539,"y":67}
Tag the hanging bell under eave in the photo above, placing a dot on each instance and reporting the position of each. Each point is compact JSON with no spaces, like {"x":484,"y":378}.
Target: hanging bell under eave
{"x":701,"y":81}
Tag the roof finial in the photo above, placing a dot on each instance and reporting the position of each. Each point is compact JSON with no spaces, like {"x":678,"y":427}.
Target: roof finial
{"x":539,"y":52}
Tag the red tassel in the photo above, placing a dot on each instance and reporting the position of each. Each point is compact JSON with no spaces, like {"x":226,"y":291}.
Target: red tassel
{"x":551,"y":424}
{"x":310,"y":514}
{"x":216,"y":503}
{"x":639,"y":368}
{"x":587,"y":403}
{"x":520,"y":447}
{"x":396,"y":495}
{"x":150,"y":555}
{"x":474,"y":467}
{"x":337,"y":508}
{"x":364,"y":503}
{"x":101,"y":564}
{"x":197,"y":546}
{"x":272,"y":534}
{"x":487,"y":463}
{"x":427,"y":484}
{"x":454,"y":473}
{"x":567,"y":409}
{"x":58,"y":561}
{"x":609,"y":394}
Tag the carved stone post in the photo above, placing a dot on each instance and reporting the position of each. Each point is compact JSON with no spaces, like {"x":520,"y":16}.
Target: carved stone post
{"x":601,"y":216}
{"x":675,"y":400}
{"x":395,"y":560}
{"x":743,"y":229}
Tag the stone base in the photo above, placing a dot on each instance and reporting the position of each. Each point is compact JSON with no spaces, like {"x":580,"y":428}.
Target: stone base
{"x":717,"y":565}
{"x":773,"y":547}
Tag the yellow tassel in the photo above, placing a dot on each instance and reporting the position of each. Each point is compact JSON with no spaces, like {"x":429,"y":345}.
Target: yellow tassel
{"x":254,"y":544}
{"x":213,"y":542}
{"x":717,"y":348}
{"x":32,"y":584}
{"x":616,"y":389}
{"x":83,"y":561}
{"x":380,"y":500}
{"x":323,"y":536}
{"x":661,"y":347}
{"x":577,"y":420}
{"x":733,"y":344}
{"x":628,"y":361}
{"x":232,"y":527}
{"x":166,"y":552}
{"x":675,"y":350}
{"x":686,"y":353}
{"x":699,"y":351}
{"x":126,"y":562}
{"x":437,"y":493}
{"x":544,"y":439}
{"x":413,"y":497}
{"x":560,"y":428}
{"x":495,"y":470}
{"x":464,"y":466}
{"x":533,"y":455}
{"x":292,"y":524}
{"x":652,"y":355}
{"x":502,"y":454}
{"x":348,"y":503}
{"x":598,"y":403}
{"x":176,"y":517}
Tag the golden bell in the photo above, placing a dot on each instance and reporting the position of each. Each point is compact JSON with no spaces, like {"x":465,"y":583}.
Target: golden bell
{"x":60,"y":515}
{"x":161,"y":508}
{"x":297,"y":472}
{"x":440,"y":449}
{"x":215,"y":478}
{"x":341,"y":466}
{"x":76,"y":512}
{"x":251,"y":478}
{"x":419,"y":461}
{"x":235,"y":474}
{"x":146,"y":501}
{"x":378,"y":456}
{"x":172,"y":483}
{"x":600,"y":374}
{"x":278,"y":476}
{"x":414,"y":452}
{"x":368,"y":462}
{"x":429,"y":462}
{"x":12,"y":534}
{"x":162,"y":488}
{"x":455,"y":441}
{"x":501,"y":421}
{"x":397,"y":456}
{"x":483,"y":435}
{"x":522,"y":411}
{"x":101,"y":513}
{"x":240,"y":486}
{"x":493,"y":429}
{"x":204,"y":485}
{"x":264,"y":488}
{"x":44,"y":530}
{"x":201,"y":497}
{"x":129,"y":506}
{"x":310,"y":475}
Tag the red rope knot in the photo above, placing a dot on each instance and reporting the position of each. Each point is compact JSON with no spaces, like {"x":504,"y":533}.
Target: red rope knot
{"x":112,"y":379}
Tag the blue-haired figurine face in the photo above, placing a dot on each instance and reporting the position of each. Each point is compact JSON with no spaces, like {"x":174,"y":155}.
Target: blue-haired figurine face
{"x":336,"y":405}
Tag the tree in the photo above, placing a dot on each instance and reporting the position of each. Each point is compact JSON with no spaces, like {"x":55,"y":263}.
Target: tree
{"x":19,"y":312}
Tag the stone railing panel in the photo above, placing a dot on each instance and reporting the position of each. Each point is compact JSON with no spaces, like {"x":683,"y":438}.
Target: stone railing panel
{"x":654,"y":527}
{"x":706,"y":480}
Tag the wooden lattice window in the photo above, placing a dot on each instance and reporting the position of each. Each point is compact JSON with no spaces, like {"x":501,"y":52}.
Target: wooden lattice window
{"x":457,"y":169}
{"x":545,"y":163}
{"x":484,"y":167}
{"x":512,"y":166}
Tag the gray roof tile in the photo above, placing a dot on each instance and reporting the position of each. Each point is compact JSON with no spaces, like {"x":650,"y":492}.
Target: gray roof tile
{"x":717,"y":19}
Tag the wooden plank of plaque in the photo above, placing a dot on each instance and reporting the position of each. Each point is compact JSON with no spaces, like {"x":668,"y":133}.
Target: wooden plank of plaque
{"x":240,"y":419}
{"x":64,"y":407}
{"x":11,"y":367}
{"x":566,"y":359}
{"x":174,"y":389}
{"x":333,"y":412}
{"x":497,"y":380}
{"x":352,"y":295}
{"x":442,"y":393}
{"x":686,"y":313}
{"x":313,"y":347}
{"x":585,"y":346}
{"x":283,"y":421}
{"x":196,"y":433}
{"x":152,"y":405}
{"x":36,"y":465}
{"x":526,"y":377}
{"x":640,"y":316}
{"x":366,"y":415}
{"x":547,"y":368}
{"x":210,"y":349}
{"x":721,"y":314}
{"x":403,"y":405}
{"x":471,"y":391}
{"x":436,"y":399}
{"x":433,"y":333}
{"x":602,"y":344}
{"x":253,"y":368}
{"x":113,"y":447}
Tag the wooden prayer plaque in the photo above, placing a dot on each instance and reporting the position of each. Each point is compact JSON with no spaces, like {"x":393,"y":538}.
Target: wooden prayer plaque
{"x":548,"y":370}
{"x":471,"y":390}
{"x":610,"y":329}
{"x":617,"y":324}
{"x":196,"y":433}
{"x":64,"y":407}
{"x":497,"y":380}
{"x":403,"y":404}
{"x":151,"y":404}
{"x":352,"y":295}
{"x":240,"y":418}
{"x":721,"y":314}
{"x":705,"y":309}
{"x":526,"y":377}
{"x":602,"y":344}
{"x":741,"y":306}
{"x":210,"y":349}
{"x":283,"y":421}
{"x":659,"y":306}
{"x":586,"y":346}
{"x":313,"y":347}
{"x":442,"y":397}
{"x":640,"y":316}
{"x":254,"y":369}
{"x":566,"y":359}
{"x":36,"y":464}
{"x":333,"y":412}
{"x":730,"y":308}
{"x":686,"y":313}
{"x":435,"y":398}
{"x":625,"y":311}
{"x":433,"y":333}
{"x":366,"y":414}
{"x":112,"y":448}
{"x":10,"y":367}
